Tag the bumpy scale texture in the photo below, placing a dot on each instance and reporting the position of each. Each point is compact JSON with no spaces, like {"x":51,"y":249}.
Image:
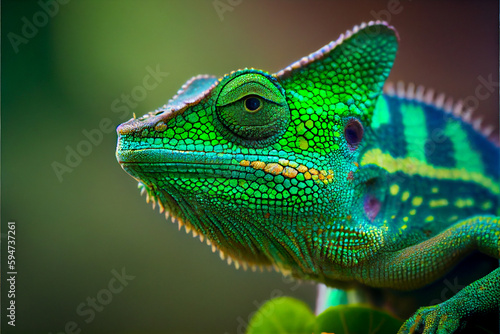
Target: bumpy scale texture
{"x":313,"y":170}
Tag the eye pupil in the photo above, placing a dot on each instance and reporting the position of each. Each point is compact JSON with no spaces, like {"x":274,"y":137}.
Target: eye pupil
{"x":252,"y":104}
{"x":353,"y":133}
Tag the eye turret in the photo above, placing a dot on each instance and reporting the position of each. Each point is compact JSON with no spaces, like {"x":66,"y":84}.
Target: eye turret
{"x":252,"y":110}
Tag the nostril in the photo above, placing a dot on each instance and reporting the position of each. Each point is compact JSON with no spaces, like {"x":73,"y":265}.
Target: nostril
{"x":160,"y":126}
{"x":133,"y":125}
{"x":124,"y":129}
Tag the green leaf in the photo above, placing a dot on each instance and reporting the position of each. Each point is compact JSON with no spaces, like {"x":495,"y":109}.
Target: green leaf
{"x":292,"y":316}
{"x":356,"y":319}
{"x":282,"y":315}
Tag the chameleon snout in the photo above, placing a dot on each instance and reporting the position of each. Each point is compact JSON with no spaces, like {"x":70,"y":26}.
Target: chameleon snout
{"x":146,"y":124}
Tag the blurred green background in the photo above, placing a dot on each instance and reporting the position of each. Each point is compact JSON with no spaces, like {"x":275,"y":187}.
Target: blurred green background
{"x":64,"y":78}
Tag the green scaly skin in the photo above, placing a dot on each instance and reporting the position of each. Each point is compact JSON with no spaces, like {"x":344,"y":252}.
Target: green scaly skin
{"x":313,"y":170}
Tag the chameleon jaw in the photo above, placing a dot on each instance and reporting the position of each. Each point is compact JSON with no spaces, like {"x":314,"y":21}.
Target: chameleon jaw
{"x":171,"y":164}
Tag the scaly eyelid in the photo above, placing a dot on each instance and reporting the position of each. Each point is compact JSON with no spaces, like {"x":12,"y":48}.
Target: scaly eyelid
{"x":236,"y":90}
{"x":244,"y":97}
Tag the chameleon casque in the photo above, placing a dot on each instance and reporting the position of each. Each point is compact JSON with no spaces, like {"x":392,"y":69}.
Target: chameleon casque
{"x":317,"y":172}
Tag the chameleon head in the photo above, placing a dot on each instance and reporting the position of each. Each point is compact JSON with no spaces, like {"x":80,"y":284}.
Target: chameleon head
{"x":261,"y":165}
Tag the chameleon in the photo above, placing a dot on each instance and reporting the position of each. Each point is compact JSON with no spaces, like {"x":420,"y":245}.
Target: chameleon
{"x":317,"y":172}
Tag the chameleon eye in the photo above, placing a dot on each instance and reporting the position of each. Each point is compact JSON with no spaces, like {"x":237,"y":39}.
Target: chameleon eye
{"x":251,"y":109}
{"x":252,"y":104}
{"x":353,"y":133}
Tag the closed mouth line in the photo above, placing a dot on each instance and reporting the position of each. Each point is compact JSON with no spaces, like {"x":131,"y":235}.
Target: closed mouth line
{"x":219,"y":164}
{"x":201,"y":164}
{"x":167,"y":156}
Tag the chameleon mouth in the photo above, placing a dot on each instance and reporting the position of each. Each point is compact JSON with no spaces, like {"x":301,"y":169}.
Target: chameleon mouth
{"x":198,"y":164}
{"x":145,"y":156}
{"x":193,"y":164}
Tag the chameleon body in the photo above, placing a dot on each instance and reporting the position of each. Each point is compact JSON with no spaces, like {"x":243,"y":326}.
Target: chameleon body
{"x":317,"y":172}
